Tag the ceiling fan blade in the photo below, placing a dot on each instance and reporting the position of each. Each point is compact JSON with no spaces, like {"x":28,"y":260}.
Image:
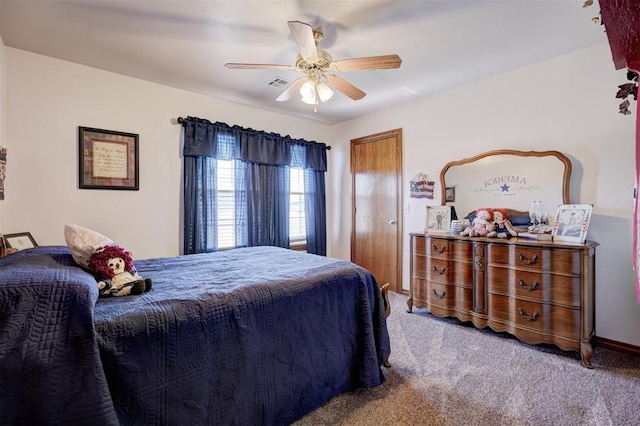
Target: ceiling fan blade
{"x":345,"y":87}
{"x":368,"y":63}
{"x":303,"y":35}
{"x":233,"y":65}
{"x":293,"y":87}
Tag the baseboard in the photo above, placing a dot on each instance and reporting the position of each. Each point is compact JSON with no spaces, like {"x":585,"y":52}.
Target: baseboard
{"x":599,"y":341}
{"x":616,"y":346}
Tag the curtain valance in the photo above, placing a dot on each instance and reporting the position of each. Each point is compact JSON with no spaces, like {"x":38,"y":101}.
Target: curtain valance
{"x":203,"y":138}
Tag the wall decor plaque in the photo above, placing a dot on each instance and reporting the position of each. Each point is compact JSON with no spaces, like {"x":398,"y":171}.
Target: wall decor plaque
{"x":108,"y":159}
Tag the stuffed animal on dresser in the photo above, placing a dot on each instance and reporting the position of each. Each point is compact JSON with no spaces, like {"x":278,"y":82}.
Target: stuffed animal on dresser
{"x":480,"y":226}
{"x":502,"y":227}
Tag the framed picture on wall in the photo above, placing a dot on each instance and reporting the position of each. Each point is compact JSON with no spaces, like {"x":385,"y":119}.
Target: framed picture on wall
{"x":20,"y":241}
{"x":438,"y":220}
{"x":450,"y":194}
{"x":108,"y":159}
{"x":571,"y":223}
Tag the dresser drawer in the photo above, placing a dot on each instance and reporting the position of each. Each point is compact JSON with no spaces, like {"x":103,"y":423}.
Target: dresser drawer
{"x":442,"y":248}
{"x":538,"y":286}
{"x":443,"y":295}
{"x":449,"y":272}
{"x":539,"y":258}
{"x":541,"y":317}
{"x":443,"y":271}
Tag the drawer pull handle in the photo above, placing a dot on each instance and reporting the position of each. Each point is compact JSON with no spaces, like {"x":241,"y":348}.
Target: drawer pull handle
{"x":438,"y":250}
{"x":527,"y":317}
{"x":529,"y":287}
{"x":439,"y":296}
{"x":531,"y":261}
{"x":439,"y":272}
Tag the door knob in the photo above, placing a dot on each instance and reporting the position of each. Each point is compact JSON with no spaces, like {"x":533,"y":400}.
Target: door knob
{"x":391,"y":221}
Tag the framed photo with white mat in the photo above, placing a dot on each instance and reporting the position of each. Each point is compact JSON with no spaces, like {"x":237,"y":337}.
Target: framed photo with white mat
{"x":572,"y":223}
{"x":20,"y":241}
{"x":438,"y":220}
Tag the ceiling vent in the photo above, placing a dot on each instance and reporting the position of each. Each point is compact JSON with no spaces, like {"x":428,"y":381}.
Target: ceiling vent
{"x":278,"y":82}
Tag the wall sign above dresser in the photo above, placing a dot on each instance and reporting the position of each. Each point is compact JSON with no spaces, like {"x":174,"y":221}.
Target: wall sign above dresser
{"x":507,"y":178}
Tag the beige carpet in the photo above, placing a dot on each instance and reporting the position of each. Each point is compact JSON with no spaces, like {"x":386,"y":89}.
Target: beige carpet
{"x":448,"y":373}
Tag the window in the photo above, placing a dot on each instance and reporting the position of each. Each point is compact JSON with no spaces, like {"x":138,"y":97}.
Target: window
{"x":225,"y":183}
{"x":297,"y":223}
{"x":233,"y":192}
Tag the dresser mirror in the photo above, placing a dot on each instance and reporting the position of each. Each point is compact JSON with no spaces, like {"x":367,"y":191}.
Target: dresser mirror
{"x":506,"y":178}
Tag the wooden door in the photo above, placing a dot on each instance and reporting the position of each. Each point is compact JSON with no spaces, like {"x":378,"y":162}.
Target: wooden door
{"x":376,"y":180}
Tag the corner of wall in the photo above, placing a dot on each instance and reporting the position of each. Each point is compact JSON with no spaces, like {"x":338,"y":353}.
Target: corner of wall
{"x":3,"y":126}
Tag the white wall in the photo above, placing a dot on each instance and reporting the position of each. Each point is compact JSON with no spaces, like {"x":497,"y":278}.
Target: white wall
{"x":566,"y":104}
{"x":2,"y":118}
{"x":47,"y":99}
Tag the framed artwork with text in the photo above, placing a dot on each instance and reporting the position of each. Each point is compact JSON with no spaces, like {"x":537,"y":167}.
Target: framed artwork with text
{"x":108,"y":159}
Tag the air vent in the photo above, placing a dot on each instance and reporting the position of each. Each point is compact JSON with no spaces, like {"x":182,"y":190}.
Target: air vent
{"x":278,"y":82}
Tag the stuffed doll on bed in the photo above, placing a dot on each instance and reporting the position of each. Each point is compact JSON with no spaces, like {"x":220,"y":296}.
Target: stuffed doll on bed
{"x":111,"y":265}
{"x":114,"y":271}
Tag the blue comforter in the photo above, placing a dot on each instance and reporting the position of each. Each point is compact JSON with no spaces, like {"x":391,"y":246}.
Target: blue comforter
{"x":249,"y":336}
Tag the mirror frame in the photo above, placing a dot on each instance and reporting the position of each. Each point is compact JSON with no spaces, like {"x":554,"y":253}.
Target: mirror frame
{"x":561,"y":157}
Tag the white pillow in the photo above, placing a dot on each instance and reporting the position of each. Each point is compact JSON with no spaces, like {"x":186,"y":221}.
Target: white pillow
{"x":83,"y":242}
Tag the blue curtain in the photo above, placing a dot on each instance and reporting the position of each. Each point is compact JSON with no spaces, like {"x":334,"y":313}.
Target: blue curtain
{"x":262,"y":185}
{"x":200,"y":186}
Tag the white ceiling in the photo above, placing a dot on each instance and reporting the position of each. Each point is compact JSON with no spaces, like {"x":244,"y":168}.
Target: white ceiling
{"x":185,"y":43}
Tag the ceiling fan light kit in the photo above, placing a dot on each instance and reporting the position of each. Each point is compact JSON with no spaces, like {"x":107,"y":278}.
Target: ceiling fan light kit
{"x":324,"y":92}
{"x":308,"y":91}
{"x":317,"y":64}
{"x":311,"y":92}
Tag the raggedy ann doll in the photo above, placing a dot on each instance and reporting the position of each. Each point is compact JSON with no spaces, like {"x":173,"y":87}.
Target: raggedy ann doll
{"x":115,"y":273}
{"x":502,"y":227}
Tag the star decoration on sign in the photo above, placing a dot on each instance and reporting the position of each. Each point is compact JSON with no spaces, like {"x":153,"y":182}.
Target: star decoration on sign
{"x":505,"y":188}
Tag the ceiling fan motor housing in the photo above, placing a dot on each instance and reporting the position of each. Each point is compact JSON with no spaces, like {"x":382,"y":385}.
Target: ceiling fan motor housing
{"x":320,"y":63}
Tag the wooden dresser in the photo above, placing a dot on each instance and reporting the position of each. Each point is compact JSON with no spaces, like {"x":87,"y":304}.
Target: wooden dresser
{"x":541,"y":292}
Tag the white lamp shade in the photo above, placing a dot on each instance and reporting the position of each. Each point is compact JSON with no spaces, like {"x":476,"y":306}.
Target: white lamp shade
{"x":310,"y":101}
{"x":308,"y":91}
{"x":324,"y":92}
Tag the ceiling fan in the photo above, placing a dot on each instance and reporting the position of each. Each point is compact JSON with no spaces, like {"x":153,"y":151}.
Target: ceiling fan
{"x":319,"y":68}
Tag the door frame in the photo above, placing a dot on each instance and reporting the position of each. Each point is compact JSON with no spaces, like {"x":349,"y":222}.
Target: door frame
{"x":397,"y":134}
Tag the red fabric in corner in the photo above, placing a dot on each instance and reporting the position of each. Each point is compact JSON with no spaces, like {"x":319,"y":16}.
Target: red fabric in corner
{"x":635,"y":66}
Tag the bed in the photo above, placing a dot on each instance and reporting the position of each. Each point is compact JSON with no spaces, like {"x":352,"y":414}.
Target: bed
{"x":259,"y":335}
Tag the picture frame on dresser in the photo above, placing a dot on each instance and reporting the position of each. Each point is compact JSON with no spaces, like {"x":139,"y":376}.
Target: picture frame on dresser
{"x":572,"y":223}
{"x":437,"y":219}
{"x":20,"y":241}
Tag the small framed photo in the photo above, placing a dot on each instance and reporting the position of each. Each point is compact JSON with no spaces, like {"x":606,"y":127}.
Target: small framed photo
{"x":438,"y":220}
{"x":450,"y":194}
{"x":20,"y":241}
{"x":108,"y":159}
{"x":571,"y":223}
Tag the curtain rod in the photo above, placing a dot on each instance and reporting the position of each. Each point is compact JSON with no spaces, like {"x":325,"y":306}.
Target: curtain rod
{"x":181,"y":120}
